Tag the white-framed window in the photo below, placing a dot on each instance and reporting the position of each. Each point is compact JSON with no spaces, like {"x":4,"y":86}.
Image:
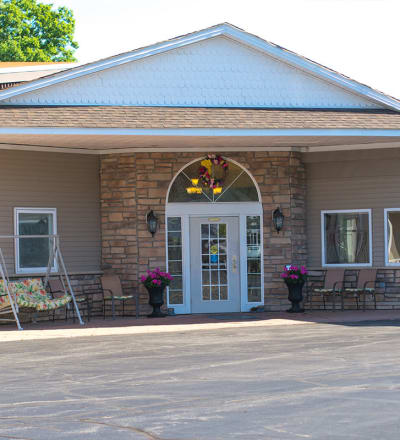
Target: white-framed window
{"x":392,"y":236}
{"x":175,"y":260}
{"x":346,"y":237}
{"x":32,"y":254}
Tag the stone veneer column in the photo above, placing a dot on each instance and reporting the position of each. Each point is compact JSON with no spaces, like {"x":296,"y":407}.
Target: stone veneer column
{"x":133,"y":183}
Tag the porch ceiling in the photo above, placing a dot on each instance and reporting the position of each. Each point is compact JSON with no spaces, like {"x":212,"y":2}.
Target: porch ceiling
{"x":104,"y":144}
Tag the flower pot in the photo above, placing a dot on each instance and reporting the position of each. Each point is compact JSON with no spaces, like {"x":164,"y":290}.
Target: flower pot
{"x":156,"y":300}
{"x":295,"y":296}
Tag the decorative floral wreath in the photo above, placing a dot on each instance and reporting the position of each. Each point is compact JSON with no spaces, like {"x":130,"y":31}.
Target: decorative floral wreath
{"x":205,"y":170}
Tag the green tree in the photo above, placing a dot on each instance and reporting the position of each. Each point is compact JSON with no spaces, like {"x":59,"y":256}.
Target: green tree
{"x":32,"y":31}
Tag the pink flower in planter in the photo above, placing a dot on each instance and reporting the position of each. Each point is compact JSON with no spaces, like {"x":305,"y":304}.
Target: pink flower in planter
{"x":155,"y":282}
{"x":303,"y":270}
{"x":294,"y":277}
{"x":143,"y":278}
{"x":284,"y":275}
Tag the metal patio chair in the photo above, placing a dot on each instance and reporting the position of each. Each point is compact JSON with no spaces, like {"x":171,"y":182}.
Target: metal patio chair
{"x":366,"y":285}
{"x":330,"y":287}
{"x":113,"y":295}
{"x":56,"y":289}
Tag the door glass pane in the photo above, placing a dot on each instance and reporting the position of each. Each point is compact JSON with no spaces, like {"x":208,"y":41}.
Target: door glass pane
{"x":174,"y":224}
{"x":174,"y":241}
{"x":34,"y":252}
{"x":346,"y":237}
{"x":206,"y":276}
{"x":213,"y":231}
{"x":206,"y":293}
{"x":215,"y":293}
{"x":214,"y":274}
{"x":254,"y":295}
{"x":254,"y":276}
{"x":175,"y":267}
{"x":176,"y":297}
{"x":174,"y":238}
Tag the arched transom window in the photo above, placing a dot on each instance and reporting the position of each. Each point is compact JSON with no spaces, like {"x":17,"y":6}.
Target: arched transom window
{"x":213,"y":179}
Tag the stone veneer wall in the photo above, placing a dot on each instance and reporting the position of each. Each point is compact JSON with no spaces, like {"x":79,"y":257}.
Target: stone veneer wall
{"x":133,"y":183}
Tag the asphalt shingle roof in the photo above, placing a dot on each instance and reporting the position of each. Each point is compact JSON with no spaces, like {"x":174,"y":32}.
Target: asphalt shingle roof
{"x":173,"y":117}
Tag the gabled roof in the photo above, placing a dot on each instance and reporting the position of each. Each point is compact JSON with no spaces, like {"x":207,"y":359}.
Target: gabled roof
{"x":224,"y":29}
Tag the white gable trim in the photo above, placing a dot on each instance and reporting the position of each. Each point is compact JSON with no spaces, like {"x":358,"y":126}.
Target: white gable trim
{"x":224,"y":29}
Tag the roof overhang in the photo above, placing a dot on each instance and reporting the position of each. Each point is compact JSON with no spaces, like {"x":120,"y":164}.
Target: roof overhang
{"x":108,"y":141}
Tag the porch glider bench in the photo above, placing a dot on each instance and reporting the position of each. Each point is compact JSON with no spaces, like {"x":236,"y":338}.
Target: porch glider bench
{"x":30,"y":293}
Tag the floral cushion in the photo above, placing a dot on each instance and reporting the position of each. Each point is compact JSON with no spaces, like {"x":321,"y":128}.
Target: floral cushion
{"x":4,"y":300}
{"x":124,"y":297}
{"x":31,"y":293}
{"x":368,"y":289}
{"x":326,"y":291}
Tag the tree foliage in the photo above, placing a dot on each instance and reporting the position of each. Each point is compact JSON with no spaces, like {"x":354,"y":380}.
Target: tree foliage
{"x":32,"y":31}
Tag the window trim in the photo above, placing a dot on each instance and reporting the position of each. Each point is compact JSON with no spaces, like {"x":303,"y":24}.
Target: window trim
{"x":343,"y":211}
{"x":19,"y":210}
{"x":385,"y":220}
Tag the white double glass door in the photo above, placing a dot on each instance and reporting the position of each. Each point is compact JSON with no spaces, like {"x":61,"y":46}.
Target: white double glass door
{"x":214,"y":264}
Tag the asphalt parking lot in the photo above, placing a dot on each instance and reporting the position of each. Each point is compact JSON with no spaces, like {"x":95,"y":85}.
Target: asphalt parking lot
{"x":320,"y":381}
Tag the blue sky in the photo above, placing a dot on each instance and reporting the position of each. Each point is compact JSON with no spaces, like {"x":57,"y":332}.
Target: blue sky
{"x":359,"y":38}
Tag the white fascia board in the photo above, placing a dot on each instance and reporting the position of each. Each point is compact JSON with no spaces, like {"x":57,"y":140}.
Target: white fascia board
{"x":219,"y":132}
{"x":223,"y":29}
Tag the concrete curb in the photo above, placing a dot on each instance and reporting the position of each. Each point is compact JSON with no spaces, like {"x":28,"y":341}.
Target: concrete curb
{"x":28,"y":335}
{"x":335,"y":318}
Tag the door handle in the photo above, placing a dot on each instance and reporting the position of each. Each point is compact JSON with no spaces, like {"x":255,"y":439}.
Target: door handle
{"x":234,"y":263}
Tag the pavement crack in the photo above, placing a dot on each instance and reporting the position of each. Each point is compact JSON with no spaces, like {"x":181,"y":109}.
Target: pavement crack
{"x":149,"y":435}
{"x":14,"y":438}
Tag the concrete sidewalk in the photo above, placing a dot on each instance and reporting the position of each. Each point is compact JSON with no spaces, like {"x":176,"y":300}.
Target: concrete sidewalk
{"x":183,"y":323}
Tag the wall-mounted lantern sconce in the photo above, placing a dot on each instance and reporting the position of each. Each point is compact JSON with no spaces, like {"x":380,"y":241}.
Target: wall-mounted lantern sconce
{"x":152,"y":222}
{"x":278,"y":219}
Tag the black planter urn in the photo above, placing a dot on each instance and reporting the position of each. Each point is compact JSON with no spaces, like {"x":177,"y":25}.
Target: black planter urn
{"x":156,"y":300}
{"x":295,"y":297}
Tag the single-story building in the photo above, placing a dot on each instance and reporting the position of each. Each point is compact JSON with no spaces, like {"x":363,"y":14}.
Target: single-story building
{"x":212,"y":131}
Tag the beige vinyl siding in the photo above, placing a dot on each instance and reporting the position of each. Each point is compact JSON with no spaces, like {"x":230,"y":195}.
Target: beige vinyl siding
{"x":351,"y":180}
{"x":67,"y":182}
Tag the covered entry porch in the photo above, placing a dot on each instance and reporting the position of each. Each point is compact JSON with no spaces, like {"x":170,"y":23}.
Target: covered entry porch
{"x":133,"y":171}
